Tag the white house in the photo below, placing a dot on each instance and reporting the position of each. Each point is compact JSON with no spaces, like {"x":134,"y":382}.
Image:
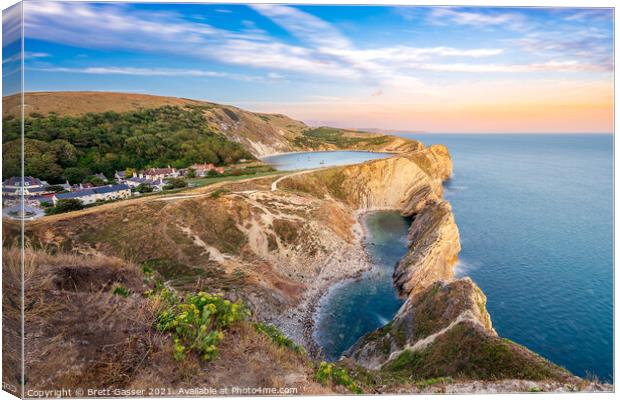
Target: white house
{"x":158,"y":173}
{"x":157,"y":184}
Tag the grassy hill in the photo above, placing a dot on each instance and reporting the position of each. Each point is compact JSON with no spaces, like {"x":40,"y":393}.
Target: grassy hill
{"x":259,"y":133}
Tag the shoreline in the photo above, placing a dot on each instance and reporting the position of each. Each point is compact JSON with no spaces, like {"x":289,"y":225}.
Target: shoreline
{"x":308,"y":310}
{"x":299,"y":322}
{"x":285,"y":153}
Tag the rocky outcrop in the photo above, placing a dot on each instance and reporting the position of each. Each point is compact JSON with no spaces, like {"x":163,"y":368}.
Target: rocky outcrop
{"x":433,"y":249}
{"x":445,"y":330}
{"x":421,"y":319}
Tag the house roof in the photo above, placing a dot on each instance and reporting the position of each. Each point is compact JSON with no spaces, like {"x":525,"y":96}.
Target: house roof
{"x":110,"y":188}
{"x":90,"y":192}
{"x":36,"y":190}
{"x":139,"y":180}
{"x":45,"y":199}
{"x":146,"y":181}
{"x":17,"y":181}
{"x":158,"y":171}
{"x":76,"y":194}
{"x":202,"y":166}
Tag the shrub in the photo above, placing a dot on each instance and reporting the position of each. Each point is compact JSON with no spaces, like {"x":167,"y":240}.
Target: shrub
{"x":328,"y":372}
{"x":175,"y":183}
{"x":278,"y":337}
{"x":432,"y":381}
{"x":121,"y":291}
{"x":144,"y":188}
{"x":55,"y":188}
{"x":65,"y":205}
{"x":217,"y":193}
{"x":198,"y":323}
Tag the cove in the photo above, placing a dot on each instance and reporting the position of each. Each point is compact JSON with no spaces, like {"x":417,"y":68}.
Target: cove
{"x":318,"y":159}
{"x":355,"y":307}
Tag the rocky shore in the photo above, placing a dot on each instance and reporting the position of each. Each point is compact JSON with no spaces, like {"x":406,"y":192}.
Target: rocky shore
{"x":299,"y":322}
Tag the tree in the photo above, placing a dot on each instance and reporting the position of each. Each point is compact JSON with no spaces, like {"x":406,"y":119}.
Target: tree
{"x":55,"y":188}
{"x":65,"y":152}
{"x":144,"y":188}
{"x":95,"y":180}
{"x":191,"y":173}
{"x":175,"y":183}
{"x":65,"y":205}
{"x":129,"y":172}
{"x":212,"y":173}
{"x":76,"y":174}
{"x":108,"y":142}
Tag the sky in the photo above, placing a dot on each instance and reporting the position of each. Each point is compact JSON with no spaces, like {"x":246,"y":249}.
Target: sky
{"x":432,"y":69}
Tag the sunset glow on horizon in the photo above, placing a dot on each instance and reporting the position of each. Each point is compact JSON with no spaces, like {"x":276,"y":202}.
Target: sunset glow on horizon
{"x":432,"y":69}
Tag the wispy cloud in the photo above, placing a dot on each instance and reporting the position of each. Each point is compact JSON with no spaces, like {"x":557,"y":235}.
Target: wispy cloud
{"x":157,"y":72}
{"x":591,"y":14}
{"x":304,"y":26}
{"x":11,"y":24}
{"x":27,"y":55}
{"x":550,"y":66}
{"x":448,"y":15}
{"x":589,"y":44}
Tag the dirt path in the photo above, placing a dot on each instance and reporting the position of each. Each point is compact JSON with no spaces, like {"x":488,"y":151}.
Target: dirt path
{"x":274,"y":184}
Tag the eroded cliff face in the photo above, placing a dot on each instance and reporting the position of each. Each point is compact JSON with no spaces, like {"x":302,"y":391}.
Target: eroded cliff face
{"x":433,"y":249}
{"x":407,"y":182}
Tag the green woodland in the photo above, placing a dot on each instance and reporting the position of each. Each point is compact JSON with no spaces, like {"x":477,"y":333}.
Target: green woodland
{"x":75,"y":147}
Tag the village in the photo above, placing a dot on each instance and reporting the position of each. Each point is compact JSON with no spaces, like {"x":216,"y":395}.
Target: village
{"x":42,"y":198}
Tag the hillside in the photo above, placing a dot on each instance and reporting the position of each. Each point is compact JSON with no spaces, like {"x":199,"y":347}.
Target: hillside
{"x":259,"y":133}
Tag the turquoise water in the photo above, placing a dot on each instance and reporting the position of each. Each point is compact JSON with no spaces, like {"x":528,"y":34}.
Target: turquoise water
{"x":535,"y":214}
{"x":360,"y":306}
{"x":318,"y":159}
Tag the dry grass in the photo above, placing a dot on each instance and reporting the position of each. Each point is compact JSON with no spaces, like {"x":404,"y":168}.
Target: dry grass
{"x":247,"y":359}
{"x":80,"y":334}
{"x":11,"y":320}
{"x":76,"y":103}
